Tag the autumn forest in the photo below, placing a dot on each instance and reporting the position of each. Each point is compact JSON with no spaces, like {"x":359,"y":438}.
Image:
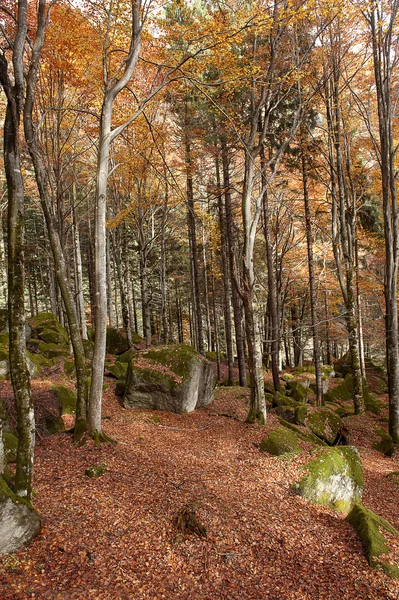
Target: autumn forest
{"x":199,"y":253}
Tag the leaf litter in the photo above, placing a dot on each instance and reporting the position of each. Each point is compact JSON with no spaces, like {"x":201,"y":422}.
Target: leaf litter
{"x":115,"y":537}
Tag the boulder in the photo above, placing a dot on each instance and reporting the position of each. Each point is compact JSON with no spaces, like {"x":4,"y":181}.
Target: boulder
{"x":334,"y":479}
{"x":325,"y":424}
{"x":369,"y":527}
{"x":116,"y":341}
{"x":344,"y":392}
{"x":298,"y":391}
{"x":173,"y":378}
{"x":10,"y":442}
{"x":117,"y":370}
{"x":47,"y":328}
{"x":280,"y":441}
{"x":385,"y":445}
{"x":19,"y":522}
{"x":282,"y":400}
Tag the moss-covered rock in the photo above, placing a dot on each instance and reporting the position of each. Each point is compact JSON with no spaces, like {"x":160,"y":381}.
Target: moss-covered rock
{"x":46,"y":327}
{"x":325,"y":424}
{"x":301,"y":413}
{"x":116,"y":341}
{"x":334,"y":479}
{"x":285,"y":412}
{"x":67,"y":399}
{"x":282,"y":400}
{"x":4,"y":339}
{"x":19,"y":522}
{"x":95,"y":471}
{"x":117,"y":370}
{"x":56,"y":351}
{"x":127,"y":356}
{"x":344,"y":392}
{"x":54,"y":424}
{"x":369,"y":526}
{"x":175,"y":378}
{"x":298,"y":391}
{"x":306,"y":436}
{"x":287,"y":377}
{"x":69,"y":367}
{"x":385,"y":445}
{"x":280,"y":441}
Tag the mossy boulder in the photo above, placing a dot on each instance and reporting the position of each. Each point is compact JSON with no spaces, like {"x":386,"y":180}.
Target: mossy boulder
{"x":280,"y":441}
{"x":88,"y":348}
{"x":334,"y":479}
{"x":369,"y":527}
{"x":10,"y":442}
{"x":19,"y":522}
{"x":117,"y":370}
{"x":325,"y":424}
{"x":298,"y":391}
{"x":67,"y":399}
{"x":69,"y":367}
{"x":282,"y":400}
{"x":173,"y":378}
{"x":35,"y":363}
{"x":306,"y":436}
{"x":46,"y":327}
{"x":120,"y":387}
{"x":344,"y":392}
{"x":385,"y":445}
{"x":301,"y":413}
{"x":56,"y":351}
{"x":116,"y":341}
{"x":4,"y":339}
{"x":95,"y":471}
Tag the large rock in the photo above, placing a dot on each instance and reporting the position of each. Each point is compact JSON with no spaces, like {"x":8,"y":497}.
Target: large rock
{"x":19,"y":522}
{"x":325,"y":424}
{"x":173,"y":378}
{"x":334,"y":479}
{"x":46,"y":327}
{"x":344,"y":391}
{"x":369,"y":526}
{"x":280,"y":441}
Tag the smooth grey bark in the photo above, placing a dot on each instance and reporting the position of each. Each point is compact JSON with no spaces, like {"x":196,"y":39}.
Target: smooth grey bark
{"x":79,"y":276}
{"x":112,"y":88}
{"x":109,"y":284}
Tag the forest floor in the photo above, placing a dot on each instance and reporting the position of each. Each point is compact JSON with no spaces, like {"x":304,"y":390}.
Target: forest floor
{"x":115,"y":538}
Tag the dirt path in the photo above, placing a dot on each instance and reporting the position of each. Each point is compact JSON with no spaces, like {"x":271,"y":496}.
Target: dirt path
{"x":113,"y":537}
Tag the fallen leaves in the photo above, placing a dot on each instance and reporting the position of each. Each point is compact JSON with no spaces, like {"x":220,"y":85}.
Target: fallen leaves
{"x":114,"y":537}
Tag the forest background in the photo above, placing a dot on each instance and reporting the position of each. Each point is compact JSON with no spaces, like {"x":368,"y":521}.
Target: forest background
{"x":212,"y":173}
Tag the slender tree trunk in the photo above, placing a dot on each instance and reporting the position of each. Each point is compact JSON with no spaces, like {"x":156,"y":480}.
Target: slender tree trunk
{"x":312,"y":284}
{"x":230,"y":245}
{"x":79,"y":277}
{"x":199,"y":329}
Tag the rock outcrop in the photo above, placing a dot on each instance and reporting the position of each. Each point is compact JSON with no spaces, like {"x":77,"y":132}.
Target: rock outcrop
{"x":173,"y":378}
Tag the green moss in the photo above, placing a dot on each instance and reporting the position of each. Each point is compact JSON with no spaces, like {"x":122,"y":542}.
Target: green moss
{"x":127,"y":356}
{"x":6,"y":492}
{"x":4,"y":339}
{"x":10,"y":446}
{"x":368,"y":527}
{"x":3,"y":353}
{"x":47,"y":328}
{"x":155,"y":419}
{"x":117,"y":370}
{"x":325,"y":424}
{"x":287,"y":377}
{"x":306,"y":437}
{"x":153,"y":376}
{"x":116,"y":341}
{"x":39,"y":359}
{"x":280,"y":441}
{"x":344,"y":392}
{"x":96,"y":471}
{"x":88,"y":348}
{"x":55,"y":425}
{"x":177,"y":358}
{"x":305,"y":369}
{"x":301,"y":413}
{"x":67,"y":398}
{"x":281,"y":400}
{"x":69,"y":367}
{"x":334,"y":479}
{"x":53,"y":350}
{"x":298,"y":391}
{"x":385,"y":445}
{"x":285,"y":412}
{"x":394,"y":476}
